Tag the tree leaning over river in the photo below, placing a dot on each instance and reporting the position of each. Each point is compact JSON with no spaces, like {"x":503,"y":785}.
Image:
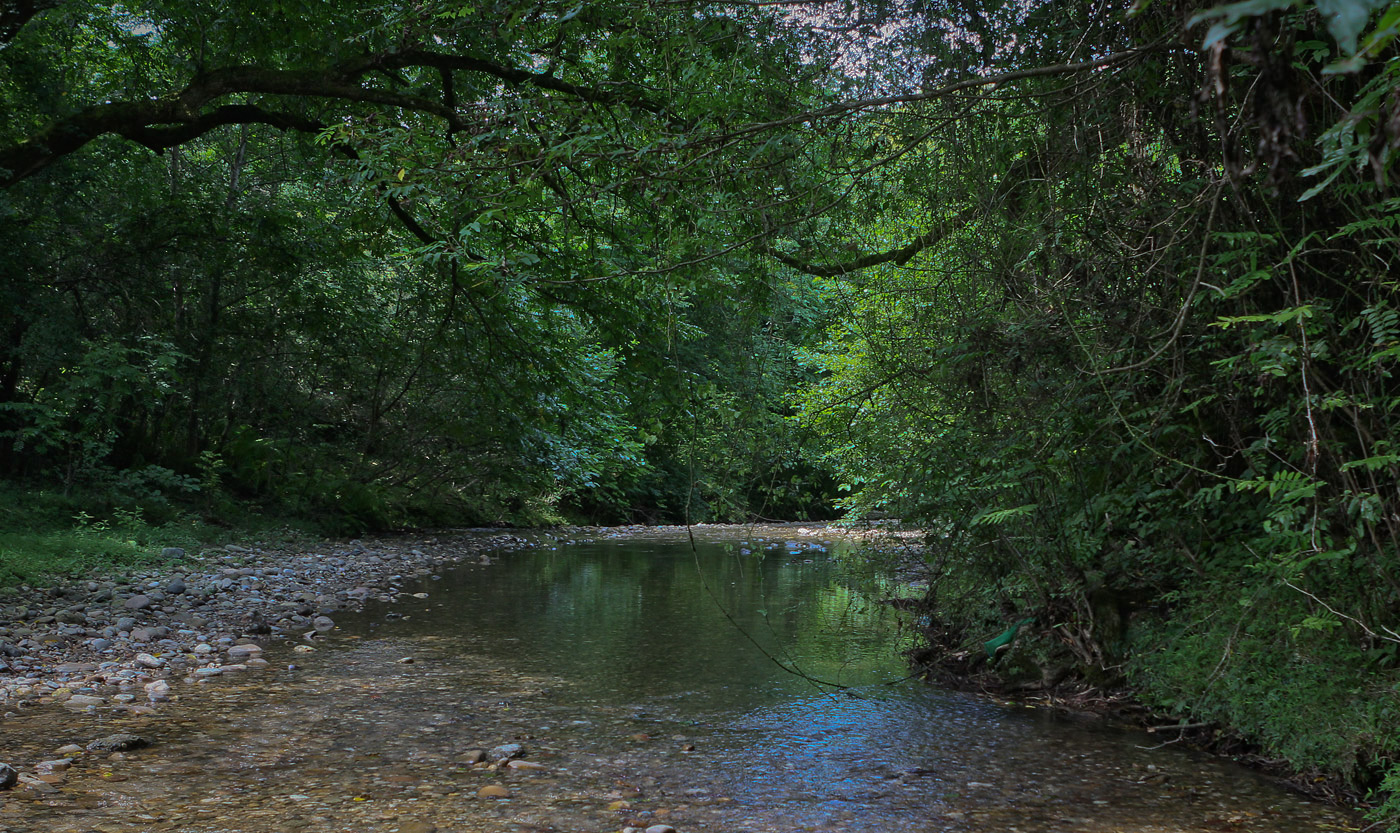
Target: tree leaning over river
{"x":1102,"y":296}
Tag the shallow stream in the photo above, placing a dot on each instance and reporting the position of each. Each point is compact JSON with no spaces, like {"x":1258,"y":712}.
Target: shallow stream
{"x":653,"y":683}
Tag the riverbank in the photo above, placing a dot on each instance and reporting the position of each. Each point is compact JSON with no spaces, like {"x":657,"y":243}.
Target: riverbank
{"x":109,"y":640}
{"x":1005,"y":679}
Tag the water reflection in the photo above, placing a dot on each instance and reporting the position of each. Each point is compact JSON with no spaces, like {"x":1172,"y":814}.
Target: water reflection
{"x":654,"y":684}
{"x":657,"y":619}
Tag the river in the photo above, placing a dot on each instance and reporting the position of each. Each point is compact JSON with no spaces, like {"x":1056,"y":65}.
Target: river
{"x":749,"y":683}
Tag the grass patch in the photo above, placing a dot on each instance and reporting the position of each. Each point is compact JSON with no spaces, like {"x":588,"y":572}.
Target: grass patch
{"x":47,"y":536}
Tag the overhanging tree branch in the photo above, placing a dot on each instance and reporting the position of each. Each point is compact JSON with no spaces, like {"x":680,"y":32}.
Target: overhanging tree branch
{"x":899,"y":256}
{"x":171,"y":120}
{"x":15,"y":13}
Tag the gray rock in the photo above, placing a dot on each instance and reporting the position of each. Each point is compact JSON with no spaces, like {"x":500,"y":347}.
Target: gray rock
{"x":172,"y":553}
{"x":323,"y":623}
{"x":60,"y":765}
{"x":505,"y":752}
{"x":8,"y":776}
{"x":245,"y":651}
{"x":175,"y":587}
{"x":100,"y":644}
{"x":137,"y":603}
{"x":120,"y":742}
{"x":125,"y":623}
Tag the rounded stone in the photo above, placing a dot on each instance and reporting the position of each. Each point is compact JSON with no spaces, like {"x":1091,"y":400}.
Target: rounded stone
{"x":493,"y":791}
{"x":120,"y":742}
{"x":137,"y":602}
{"x":245,"y":651}
{"x":506,"y":752}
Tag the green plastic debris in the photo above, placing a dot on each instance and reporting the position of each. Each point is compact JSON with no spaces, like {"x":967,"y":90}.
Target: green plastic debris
{"x":1006,"y":637}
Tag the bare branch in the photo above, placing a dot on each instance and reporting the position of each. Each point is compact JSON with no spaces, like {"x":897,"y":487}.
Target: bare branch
{"x":847,"y":107}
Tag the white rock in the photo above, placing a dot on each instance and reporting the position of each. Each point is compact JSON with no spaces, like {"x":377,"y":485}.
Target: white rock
{"x":149,"y":661}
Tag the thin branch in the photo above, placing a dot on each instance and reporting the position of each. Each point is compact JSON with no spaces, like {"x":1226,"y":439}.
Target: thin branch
{"x":1394,"y":637}
{"x":899,"y":256}
{"x":847,"y":107}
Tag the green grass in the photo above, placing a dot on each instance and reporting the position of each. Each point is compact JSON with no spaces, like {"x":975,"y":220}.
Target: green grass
{"x":50,"y":535}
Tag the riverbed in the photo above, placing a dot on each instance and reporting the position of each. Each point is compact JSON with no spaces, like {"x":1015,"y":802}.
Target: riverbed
{"x":729,"y":680}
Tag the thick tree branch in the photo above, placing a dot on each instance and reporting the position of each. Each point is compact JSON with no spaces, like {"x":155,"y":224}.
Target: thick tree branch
{"x":15,"y":13}
{"x":165,"y":122}
{"x":160,"y":138}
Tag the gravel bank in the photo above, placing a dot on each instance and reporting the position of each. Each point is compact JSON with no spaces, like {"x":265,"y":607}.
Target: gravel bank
{"x":129,"y":642}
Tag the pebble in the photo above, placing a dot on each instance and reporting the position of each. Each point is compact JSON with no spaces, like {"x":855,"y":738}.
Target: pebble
{"x":8,"y":776}
{"x":60,"y":765}
{"x":120,"y":742}
{"x":531,"y":765}
{"x":142,"y":623}
{"x":493,"y":791}
{"x":506,"y":752}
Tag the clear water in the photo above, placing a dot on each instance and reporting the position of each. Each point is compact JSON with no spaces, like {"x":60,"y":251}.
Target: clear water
{"x":654,"y":683}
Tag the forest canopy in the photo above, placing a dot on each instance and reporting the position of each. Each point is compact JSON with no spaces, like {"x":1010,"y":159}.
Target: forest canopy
{"x":1102,"y":296}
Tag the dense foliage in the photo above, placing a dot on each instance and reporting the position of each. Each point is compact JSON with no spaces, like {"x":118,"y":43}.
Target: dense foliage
{"x":455,"y":264}
{"x":1142,"y":388}
{"x":1103,"y":296}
